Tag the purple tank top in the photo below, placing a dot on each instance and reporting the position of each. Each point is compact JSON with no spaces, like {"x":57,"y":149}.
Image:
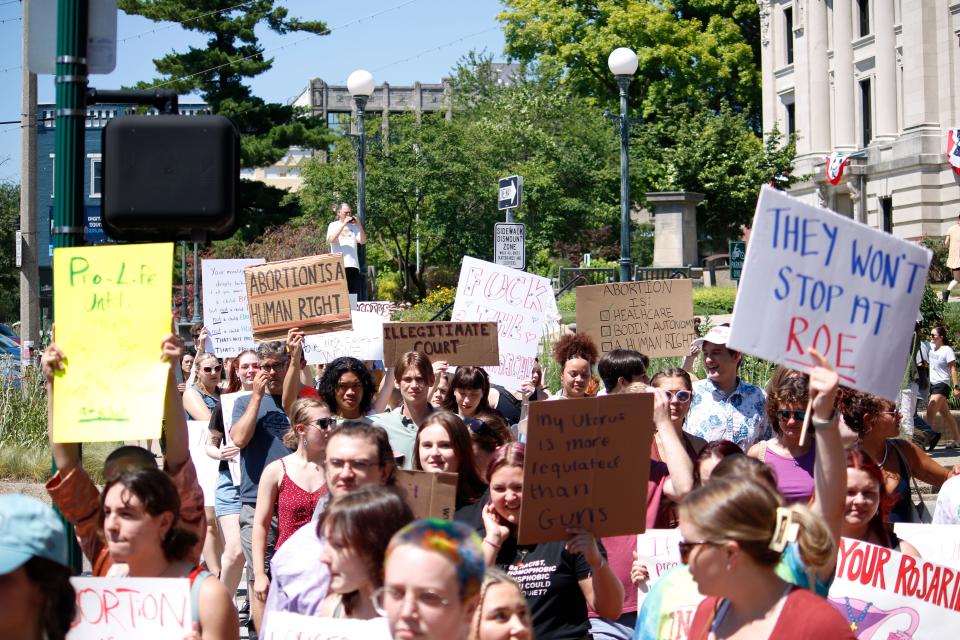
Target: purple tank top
{"x":794,"y":475}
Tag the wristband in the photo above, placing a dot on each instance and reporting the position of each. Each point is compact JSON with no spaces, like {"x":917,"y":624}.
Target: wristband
{"x":817,"y":423}
{"x":492,"y":544}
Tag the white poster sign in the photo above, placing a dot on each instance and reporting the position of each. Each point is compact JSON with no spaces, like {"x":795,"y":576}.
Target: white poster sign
{"x":141,"y":608}
{"x":938,"y":543}
{"x":658,"y":551}
{"x":523,"y":306}
{"x":884,"y":594}
{"x":208,"y":469}
{"x":225,"y":311}
{"x":284,"y":625}
{"x":365,"y":342}
{"x":382,"y":308}
{"x":813,"y":278}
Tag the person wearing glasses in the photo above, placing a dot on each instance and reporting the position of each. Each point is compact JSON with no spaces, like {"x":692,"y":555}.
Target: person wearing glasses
{"x":259,"y":425}
{"x":444,"y":444}
{"x":201,"y":397}
{"x":358,"y":527}
{"x":432,"y":577}
{"x":292,"y":486}
{"x":358,"y":455}
{"x":678,"y":386}
{"x":791,"y":461}
{"x":348,"y":389}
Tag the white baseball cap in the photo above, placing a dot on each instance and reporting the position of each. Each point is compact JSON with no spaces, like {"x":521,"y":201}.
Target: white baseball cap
{"x":719,"y":334}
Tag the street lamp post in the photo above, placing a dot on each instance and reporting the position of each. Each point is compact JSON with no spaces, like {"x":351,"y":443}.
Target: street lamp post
{"x":360,"y":86}
{"x":623,"y":64}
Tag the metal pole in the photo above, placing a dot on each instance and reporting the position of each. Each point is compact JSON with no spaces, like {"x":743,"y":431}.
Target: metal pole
{"x":196,"y":288}
{"x":183,"y":282}
{"x":509,"y":215}
{"x":624,"y":83}
{"x":361,"y":193}
{"x":416,"y":150}
{"x":29,"y":269}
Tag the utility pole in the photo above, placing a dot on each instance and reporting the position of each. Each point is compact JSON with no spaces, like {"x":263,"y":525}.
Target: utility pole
{"x":29,"y":269}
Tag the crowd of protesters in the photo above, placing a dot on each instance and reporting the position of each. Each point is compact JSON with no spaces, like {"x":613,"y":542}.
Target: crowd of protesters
{"x":307,"y":498}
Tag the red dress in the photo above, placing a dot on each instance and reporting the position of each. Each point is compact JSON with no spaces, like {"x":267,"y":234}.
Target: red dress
{"x":295,"y":506}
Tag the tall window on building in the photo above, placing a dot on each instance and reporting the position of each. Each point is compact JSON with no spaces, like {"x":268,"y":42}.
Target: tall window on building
{"x":791,"y":118}
{"x":788,"y":39}
{"x":886,"y":213}
{"x":96,"y":175}
{"x":863,"y":17}
{"x":866,"y":112}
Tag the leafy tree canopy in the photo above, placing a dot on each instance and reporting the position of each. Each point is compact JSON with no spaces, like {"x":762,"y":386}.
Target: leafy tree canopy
{"x":9,"y":273}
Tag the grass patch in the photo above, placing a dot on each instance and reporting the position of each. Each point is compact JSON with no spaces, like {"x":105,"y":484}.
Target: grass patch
{"x":32,"y":464}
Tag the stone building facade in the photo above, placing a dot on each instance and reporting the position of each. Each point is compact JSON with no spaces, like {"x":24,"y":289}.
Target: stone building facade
{"x":876,"y":78}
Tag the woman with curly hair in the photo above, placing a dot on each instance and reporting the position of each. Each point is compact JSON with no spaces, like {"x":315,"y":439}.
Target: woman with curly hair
{"x":791,"y":461}
{"x":876,"y":421}
{"x":347,"y":388}
{"x":576,"y":354}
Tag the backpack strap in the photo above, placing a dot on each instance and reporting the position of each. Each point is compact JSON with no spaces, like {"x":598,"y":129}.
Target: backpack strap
{"x":762,"y":454}
{"x":197,"y":576}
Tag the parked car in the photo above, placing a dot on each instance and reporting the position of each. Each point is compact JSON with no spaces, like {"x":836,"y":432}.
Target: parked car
{"x":9,"y":347}
{"x":10,"y":333}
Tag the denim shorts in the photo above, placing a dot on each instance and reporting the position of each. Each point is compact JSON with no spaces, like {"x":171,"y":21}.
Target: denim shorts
{"x":227,"y":499}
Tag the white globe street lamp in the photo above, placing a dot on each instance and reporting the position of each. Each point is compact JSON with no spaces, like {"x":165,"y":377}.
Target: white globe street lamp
{"x":623,"y":64}
{"x":360,"y":85}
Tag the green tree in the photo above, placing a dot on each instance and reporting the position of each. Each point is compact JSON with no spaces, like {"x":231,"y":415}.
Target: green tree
{"x":218,"y":73}
{"x":9,"y":273}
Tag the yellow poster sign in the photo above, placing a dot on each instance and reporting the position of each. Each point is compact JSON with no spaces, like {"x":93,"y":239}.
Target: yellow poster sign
{"x":112,"y":307}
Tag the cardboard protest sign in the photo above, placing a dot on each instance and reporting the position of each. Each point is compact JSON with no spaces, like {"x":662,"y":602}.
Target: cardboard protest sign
{"x":522,"y":305}
{"x":142,"y":608}
{"x":459,"y":343}
{"x":654,"y":317}
{"x":307,"y":293}
{"x":884,"y":594}
{"x":939,"y":543}
{"x":658,"y":551}
{"x":225,"y":312}
{"x":587,"y":464}
{"x":363,"y":342}
{"x":284,"y":625}
{"x":382,"y":308}
{"x":430,"y":495}
{"x":113,"y":309}
{"x":208,"y":469}
{"x":815,"y":278}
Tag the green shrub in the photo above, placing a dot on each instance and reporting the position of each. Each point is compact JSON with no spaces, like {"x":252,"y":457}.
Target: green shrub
{"x":390,"y":286}
{"x":938,"y":265}
{"x":567,"y":306}
{"x":424,"y":310}
{"x":23,"y":409}
{"x":708,"y":301}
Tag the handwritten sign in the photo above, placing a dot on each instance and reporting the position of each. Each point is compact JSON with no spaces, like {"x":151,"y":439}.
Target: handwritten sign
{"x":113,"y":310}
{"x":459,"y":343}
{"x":308,"y":293}
{"x":225,"y":311}
{"x":587,"y":465}
{"x":654,"y":317}
{"x":522,"y":305}
{"x":284,"y":625}
{"x":382,"y":308}
{"x":430,"y":495}
{"x":818,"y":279}
{"x":364,"y":342}
{"x":658,"y":550}
{"x":142,"y":608}
{"x":938,"y":543}
{"x":208,"y":469}
{"x":884,"y":594}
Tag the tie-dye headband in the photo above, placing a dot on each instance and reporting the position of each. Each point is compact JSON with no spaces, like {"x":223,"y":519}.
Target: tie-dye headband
{"x":454,"y":541}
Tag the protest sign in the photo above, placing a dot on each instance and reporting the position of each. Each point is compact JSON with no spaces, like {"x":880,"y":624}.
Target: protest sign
{"x":813,"y":278}
{"x":587,"y":464}
{"x":522,"y":305}
{"x":364,"y":342}
{"x":939,"y":543}
{"x":430,"y":495}
{"x":658,"y":550}
{"x":307,"y":293}
{"x":208,"y":469}
{"x":113,"y":309}
{"x":141,"y":608}
{"x":285,"y":625}
{"x":382,"y":308}
{"x":225,"y":312}
{"x":884,"y":594}
{"x":459,"y":343}
{"x":654,"y":317}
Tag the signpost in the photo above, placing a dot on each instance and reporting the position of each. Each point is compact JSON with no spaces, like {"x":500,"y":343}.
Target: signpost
{"x":738,"y":251}
{"x":509,"y":244}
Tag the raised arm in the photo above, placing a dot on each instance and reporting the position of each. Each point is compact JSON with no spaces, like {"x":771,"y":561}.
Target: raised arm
{"x":829,"y":467}
{"x":679,"y":464}
{"x":291,"y":380}
{"x":65,"y":455}
{"x":385,"y":391}
{"x":177,"y":450}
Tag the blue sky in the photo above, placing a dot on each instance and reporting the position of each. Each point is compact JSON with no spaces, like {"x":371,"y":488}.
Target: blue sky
{"x":399,"y":41}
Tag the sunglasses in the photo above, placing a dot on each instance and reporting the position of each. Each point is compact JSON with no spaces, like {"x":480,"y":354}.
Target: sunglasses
{"x":686,"y":548}
{"x":323,"y":423}
{"x":215,"y":369}
{"x":681,"y":396}
{"x":796,"y":415}
{"x":475,"y":424}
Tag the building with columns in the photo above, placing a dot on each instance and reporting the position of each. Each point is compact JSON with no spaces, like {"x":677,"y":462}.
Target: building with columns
{"x":876,"y":78}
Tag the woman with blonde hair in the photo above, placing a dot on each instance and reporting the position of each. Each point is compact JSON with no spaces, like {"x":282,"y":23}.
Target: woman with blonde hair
{"x":502,"y":613}
{"x":202,"y":395}
{"x":292,"y":486}
{"x":734,"y":533}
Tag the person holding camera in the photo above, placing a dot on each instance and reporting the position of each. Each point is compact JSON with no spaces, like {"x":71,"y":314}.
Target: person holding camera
{"x":344,"y":234}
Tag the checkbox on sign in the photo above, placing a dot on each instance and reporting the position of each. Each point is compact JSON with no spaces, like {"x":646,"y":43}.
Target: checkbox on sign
{"x":604,"y":332}
{"x":605,"y":316}
{"x":606,"y":346}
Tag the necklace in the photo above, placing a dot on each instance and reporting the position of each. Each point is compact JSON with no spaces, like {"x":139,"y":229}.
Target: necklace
{"x":856,"y":620}
{"x":886,"y":450}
